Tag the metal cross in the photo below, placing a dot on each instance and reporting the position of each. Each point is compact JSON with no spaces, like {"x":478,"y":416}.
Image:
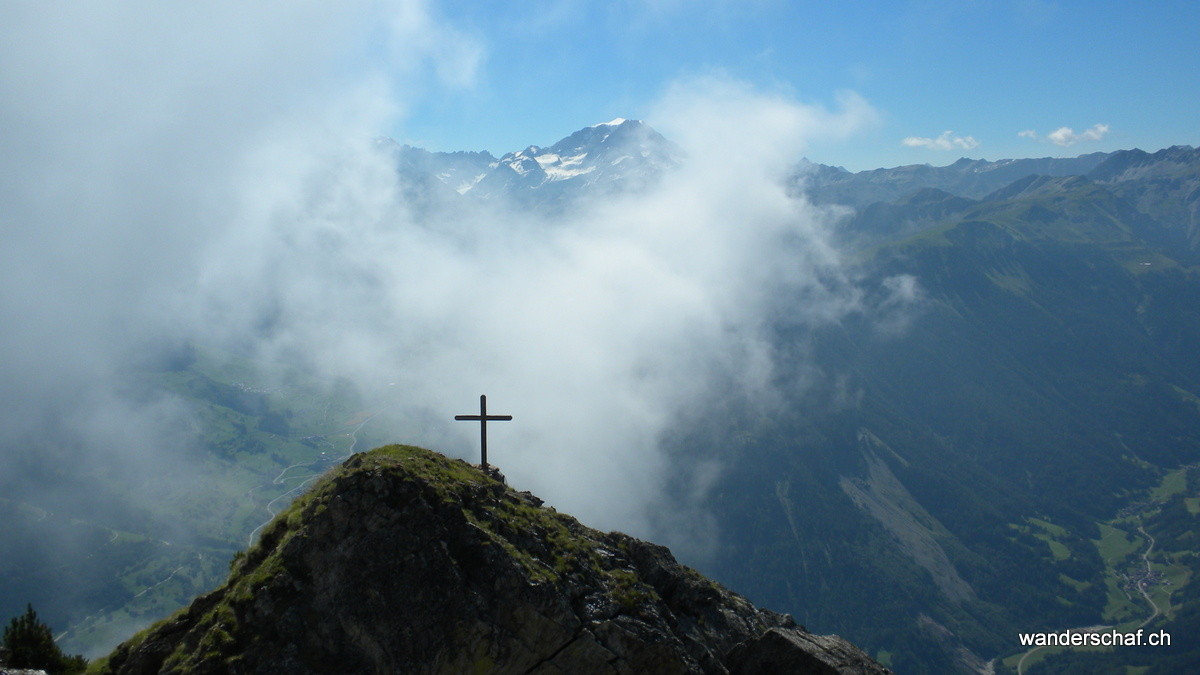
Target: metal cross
{"x":483,"y":418}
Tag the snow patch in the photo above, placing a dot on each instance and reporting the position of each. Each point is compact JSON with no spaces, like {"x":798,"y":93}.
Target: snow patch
{"x":562,"y":172}
{"x":558,"y":167}
{"x":521,"y":164}
{"x":467,"y":185}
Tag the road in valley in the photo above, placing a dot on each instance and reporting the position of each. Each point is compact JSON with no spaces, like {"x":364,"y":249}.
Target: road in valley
{"x":1142,"y":584}
{"x":272,"y":507}
{"x":1093,"y":629}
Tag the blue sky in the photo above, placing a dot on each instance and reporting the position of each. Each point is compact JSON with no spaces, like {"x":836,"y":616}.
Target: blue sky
{"x":984,"y":70}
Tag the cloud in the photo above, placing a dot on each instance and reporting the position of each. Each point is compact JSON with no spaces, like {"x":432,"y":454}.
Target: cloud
{"x":597,"y":329}
{"x":946,"y":141}
{"x":1065,"y":136}
{"x":902,"y":299}
{"x":132,"y":138}
{"x":207,"y":174}
{"x":417,"y":37}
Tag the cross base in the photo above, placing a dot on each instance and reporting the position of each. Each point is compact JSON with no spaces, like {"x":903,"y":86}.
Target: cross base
{"x":493,"y":472}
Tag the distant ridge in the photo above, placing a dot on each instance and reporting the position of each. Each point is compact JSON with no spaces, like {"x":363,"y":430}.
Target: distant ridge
{"x":971,"y":178}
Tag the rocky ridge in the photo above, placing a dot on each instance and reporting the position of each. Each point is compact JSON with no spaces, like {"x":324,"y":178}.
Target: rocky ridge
{"x":402,"y":560}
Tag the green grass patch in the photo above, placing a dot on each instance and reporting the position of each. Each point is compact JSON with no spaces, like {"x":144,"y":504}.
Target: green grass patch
{"x":1172,"y":484}
{"x":1074,"y":583}
{"x":1050,"y":528}
{"x":1050,"y":534}
{"x":1118,"y":606}
{"x":628,"y":591}
{"x":1176,"y":576}
{"x":1058,"y":549}
{"x":1115,"y":545}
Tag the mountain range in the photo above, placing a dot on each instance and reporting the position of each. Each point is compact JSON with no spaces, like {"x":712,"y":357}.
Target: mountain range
{"x":976,"y":484}
{"x":1019,"y":452}
{"x":1026,"y":421}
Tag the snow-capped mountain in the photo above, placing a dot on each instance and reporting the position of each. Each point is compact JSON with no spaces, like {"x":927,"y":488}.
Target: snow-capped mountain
{"x":621,"y":154}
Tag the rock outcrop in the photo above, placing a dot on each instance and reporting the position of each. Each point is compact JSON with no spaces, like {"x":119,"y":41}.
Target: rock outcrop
{"x":402,"y":560}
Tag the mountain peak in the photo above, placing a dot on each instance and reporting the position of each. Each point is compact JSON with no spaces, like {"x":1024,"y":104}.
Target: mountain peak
{"x":402,"y":560}
{"x":620,"y":154}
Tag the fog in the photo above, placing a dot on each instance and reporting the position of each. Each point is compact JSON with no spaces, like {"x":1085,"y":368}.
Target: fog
{"x":177,"y":173}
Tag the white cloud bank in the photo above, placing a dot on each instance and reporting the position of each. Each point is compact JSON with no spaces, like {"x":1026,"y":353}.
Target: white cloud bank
{"x":135,"y":136}
{"x":598,"y":330}
{"x":1066,"y":136}
{"x":948,"y":140}
{"x":206,"y":173}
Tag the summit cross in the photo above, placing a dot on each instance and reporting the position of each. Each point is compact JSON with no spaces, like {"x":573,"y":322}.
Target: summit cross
{"x":483,"y":418}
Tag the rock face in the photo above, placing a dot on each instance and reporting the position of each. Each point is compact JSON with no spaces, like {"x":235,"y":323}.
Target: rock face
{"x":403,"y":560}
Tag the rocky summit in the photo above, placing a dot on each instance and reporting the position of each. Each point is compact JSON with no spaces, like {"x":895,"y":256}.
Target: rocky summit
{"x":402,"y":560}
